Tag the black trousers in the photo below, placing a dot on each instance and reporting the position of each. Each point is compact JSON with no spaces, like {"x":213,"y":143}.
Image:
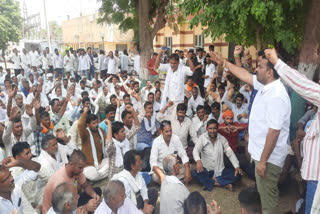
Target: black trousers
{"x":153,"y":197}
{"x":85,"y":198}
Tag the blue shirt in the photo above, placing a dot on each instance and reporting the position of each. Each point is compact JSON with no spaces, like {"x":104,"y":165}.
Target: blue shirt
{"x":143,"y":135}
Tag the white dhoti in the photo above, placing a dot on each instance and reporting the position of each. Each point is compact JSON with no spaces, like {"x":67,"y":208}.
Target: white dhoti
{"x":93,"y":173}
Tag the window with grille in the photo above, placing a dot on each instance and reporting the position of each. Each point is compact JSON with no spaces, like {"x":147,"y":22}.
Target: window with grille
{"x":168,"y":42}
{"x":199,"y":41}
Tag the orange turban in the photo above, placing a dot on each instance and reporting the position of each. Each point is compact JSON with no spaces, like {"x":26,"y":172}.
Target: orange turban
{"x":227,"y":113}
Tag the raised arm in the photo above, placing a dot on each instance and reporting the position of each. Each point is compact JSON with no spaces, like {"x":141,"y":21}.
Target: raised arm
{"x":306,"y":88}
{"x":157,"y":63}
{"x":239,"y":72}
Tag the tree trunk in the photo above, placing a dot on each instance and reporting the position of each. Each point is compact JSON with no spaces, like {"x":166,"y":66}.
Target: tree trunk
{"x":4,"y":58}
{"x":145,"y":40}
{"x":309,"y":53}
{"x":258,"y":40}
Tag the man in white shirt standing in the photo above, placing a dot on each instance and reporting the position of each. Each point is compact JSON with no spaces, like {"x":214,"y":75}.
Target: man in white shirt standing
{"x":33,"y":56}
{"x":174,"y":83}
{"x":112,"y":64}
{"x":84,"y":64}
{"x":268,"y":125}
{"x":15,"y":59}
{"x":210,"y":69}
{"x":25,"y":60}
{"x":68,"y":63}
{"x":58,"y":62}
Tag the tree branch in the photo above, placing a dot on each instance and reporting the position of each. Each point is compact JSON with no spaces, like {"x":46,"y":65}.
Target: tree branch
{"x":160,"y":20}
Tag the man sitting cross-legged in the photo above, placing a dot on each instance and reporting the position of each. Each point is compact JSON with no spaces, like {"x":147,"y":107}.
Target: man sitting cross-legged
{"x":166,"y":144}
{"x":136,"y":190}
{"x":210,"y":170}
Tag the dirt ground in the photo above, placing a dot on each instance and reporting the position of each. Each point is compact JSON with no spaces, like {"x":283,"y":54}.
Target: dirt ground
{"x":228,"y":200}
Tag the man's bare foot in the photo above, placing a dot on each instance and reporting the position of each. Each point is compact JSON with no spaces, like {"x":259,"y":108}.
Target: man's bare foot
{"x":229,"y":187}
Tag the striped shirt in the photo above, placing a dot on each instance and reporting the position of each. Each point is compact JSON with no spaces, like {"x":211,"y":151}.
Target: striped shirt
{"x":310,"y":91}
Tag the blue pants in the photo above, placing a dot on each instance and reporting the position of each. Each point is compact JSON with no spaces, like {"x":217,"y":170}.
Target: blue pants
{"x":84,"y":72}
{"x":60,"y":71}
{"x":147,"y":177}
{"x":311,"y":190}
{"x":91,"y":76}
{"x":205,"y":177}
{"x":142,"y":145}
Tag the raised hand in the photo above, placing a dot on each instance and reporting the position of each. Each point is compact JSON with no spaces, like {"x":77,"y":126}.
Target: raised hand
{"x":129,"y":108}
{"x":218,"y":58}
{"x":216,"y":207}
{"x":237,"y":50}
{"x":36,"y":104}
{"x":9,"y":162}
{"x":29,"y":109}
{"x":15,"y":112}
{"x":271,"y":55}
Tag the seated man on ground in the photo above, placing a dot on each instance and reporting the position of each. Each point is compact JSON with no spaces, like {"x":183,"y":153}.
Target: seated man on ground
{"x":116,"y":146}
{"x":231,"y":130}
{"x":93,"y":146}
{"x":173,"y":192}
{"x":65,"y":200}
{"x":181,"y":125}
{"x":73,"y":173}
{"x":166,"y":144}
{"x":148,"y":128}
{"x":115,"y":200}
{"x":136,"y":190}
{"x":53,"y":156}
{"x":211,"y":169}
{"x":12,"y":197}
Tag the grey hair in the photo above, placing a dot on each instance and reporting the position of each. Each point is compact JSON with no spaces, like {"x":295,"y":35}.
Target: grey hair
{"x":45,"y":141}
{"x":18,"y":95}
{"x":112,"y":189}
{"x":168,"y":164}
{"x":60,"y":196}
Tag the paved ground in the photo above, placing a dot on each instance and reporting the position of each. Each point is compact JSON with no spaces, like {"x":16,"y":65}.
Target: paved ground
{"x":228,"y":200}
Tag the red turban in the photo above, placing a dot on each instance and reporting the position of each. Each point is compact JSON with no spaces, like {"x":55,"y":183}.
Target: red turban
{"x":227,"y":113}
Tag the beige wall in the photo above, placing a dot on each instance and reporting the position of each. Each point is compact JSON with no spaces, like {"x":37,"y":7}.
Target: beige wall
{"x":185,"y":38}
{"x":85,"y":32}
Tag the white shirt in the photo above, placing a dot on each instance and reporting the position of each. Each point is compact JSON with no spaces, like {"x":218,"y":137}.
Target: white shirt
{"x":236,"y":111}
{"x":173,"y":193}
{"x":193,"y":103}
{"x":174,"y":83}
{"x":136,"y":63}
{"x":7,"y":206}
{"x":16,"y":61}
{"x":212,"y":153}
{"x":199,"y":125}
{"x":112,"y":63}
{"x":57,"y":61}
{"x":34,"y":58}
{"x":51,"y":211}
{"x":182,"y":130}
{"x":127,"y":208}
{"x":93,"y":94}
{"x":84,"y":63}
{"x":25,"y":60}
{"x":160,"y":150}
{"x":68,"y":63}
{"x":75,"y":62}
{"x":210,"y":70}
{"x":101,"y":62}
{"x":45,"y":62}
{"x":271,"y":109}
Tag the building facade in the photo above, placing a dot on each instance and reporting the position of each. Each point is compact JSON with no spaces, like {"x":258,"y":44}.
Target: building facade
{"x":84,"y":31}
